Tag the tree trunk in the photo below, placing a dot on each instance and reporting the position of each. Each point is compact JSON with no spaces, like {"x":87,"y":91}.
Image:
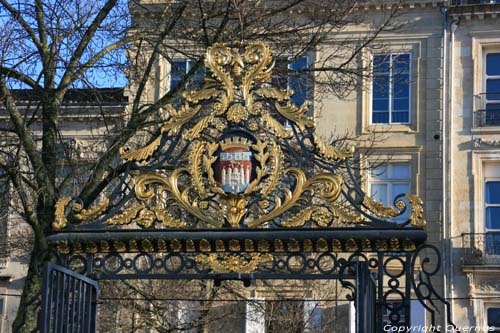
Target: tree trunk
{"x":30,"y":304}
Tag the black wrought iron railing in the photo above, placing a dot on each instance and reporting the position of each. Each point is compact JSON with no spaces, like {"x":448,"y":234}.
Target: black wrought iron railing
{"x":487,"y":109}
{"x":472,"y":2}
{"x":481,"y":248}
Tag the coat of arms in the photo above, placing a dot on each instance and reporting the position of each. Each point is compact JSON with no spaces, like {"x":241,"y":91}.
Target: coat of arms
{"x":235,"y":165}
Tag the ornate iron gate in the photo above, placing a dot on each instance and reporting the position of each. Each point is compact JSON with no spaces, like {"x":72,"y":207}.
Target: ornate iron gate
{"x":236,"y":184}
{"x":69,"y":301}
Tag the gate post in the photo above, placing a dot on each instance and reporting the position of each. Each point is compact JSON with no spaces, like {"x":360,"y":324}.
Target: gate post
{"x":365,"y":299}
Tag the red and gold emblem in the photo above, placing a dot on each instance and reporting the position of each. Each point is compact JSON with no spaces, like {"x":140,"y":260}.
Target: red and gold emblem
{"x":235,"y":165}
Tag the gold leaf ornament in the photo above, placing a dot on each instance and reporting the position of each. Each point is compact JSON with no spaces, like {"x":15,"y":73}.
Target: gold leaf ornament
{"x":60,"y":220}
{"x":417,"y":210}
{"x":330,"y":152}
{"x":379,"y":209}
{"x":234,"y":263}
{"x":93,"y":212}
{"x":276,"y":127}
{"x":143,"y":153}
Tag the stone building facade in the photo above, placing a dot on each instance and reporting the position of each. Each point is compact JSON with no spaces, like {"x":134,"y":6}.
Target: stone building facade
{"x":433,"y":103}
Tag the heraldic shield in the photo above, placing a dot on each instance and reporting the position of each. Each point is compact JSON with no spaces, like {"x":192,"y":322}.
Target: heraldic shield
{"x":235,"y":164}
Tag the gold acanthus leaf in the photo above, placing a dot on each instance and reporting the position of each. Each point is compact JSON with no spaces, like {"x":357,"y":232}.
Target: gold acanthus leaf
{"x":261,"y":170}
{"x":195,"y":131}
{"x":417,"y":210}
{"x":208,"y":160}
{"x":234,"y":263}
{"x":275,"y":170}
{"x":258,"y":54}
{"x":299,"y":219}
{"x":343,"y":215}
{"x":167,"y":219}
{"x":274,"y":125}
{"x":143,"y":153}
{"x":60,"y":220}
{"x":330,"y":152}
{"x":217,"y":56}
{"x":379,"y":209}
{"x":195,"y":96}
{"x":195,"y":160}
{"x":179,"y":118}
{"x":295,"y":115}
{"x":277,"y":94}
{"x":126,"y":216}
{"x":93,"y":212}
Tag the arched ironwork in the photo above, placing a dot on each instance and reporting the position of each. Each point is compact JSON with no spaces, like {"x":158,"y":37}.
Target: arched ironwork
{"x":236,"y":184}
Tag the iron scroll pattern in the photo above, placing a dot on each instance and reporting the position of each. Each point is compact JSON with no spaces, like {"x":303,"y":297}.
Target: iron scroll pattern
{"x":236,"y":153}
{"x":399,"y":276}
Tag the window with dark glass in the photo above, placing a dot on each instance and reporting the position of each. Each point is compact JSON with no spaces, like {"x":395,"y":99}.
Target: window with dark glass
{"x":493,"y":318}
{"x":391,"y":89}
{"x":298,"y":79}
{"x":492,"y":91}
{"x":492,"y":217}
{"x":180,"y":67}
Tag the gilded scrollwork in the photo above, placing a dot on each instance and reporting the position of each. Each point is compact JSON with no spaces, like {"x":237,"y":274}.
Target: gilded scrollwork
{"x":92,"y":213}
{"x":330,"y":152}
{"x":276,"y":127}
{"x":378,"y":208}
{"x":126,"y":216}
{"x":417,"y":210}
{"x":143,"y":153}
{"x":232,"y":154}
{"x":61,"y":220}
{"x":327,"y":186}
{"x":233,"y":263}
{"x":296,"y":115}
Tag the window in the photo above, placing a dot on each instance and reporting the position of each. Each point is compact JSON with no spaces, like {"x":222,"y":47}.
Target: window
{"x":492,"y":208}
{"x":391,"y":89}
{"x":387,"y":181}
{"x":179,"y":68}
{"x":492,"y":88}
{"x":298,"y":79}
{"x":493,"y":318}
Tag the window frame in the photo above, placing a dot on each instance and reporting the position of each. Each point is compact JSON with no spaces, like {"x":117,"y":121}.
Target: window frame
{"x":189,"y":65}
{"x":485,"y":77}
{"x":486,"y":308}
{"x":391,"y":54}
{"x":309,"y":90}
{"x":483,"y":42}
{"x":486,"y":205}
{"x":391,"y":181}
